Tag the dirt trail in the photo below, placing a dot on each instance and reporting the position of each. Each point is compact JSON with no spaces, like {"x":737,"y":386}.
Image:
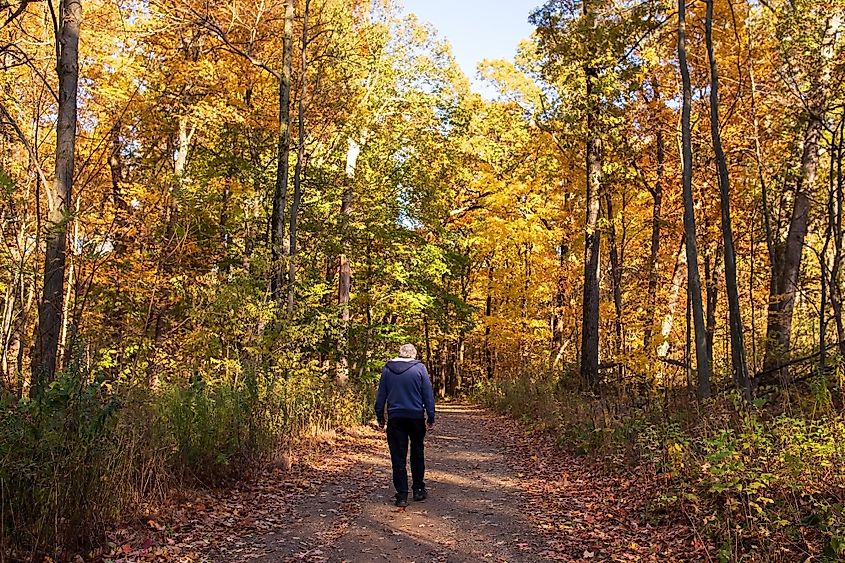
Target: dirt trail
{"x":495,"y":494}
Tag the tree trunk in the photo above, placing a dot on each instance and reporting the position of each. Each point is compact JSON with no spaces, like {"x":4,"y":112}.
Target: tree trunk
{"x":557,"y":314}
{"x":70,"y":291}
{"x":488,"y":316}
{"x":711,"y":292}
{"x":592,"y":242}
{"x":838,"y":200}
{"x":654,"y":255}
{"x":278,"y":244}
{"x":784,"y":284}
{"x":758,"y":157}
{"x":679,"y":273}
{"x":427,"y":344}
{"x":9,"y":302}
{"x":365,"y":353}
{"x":116,"y":168}
{"x":300,"y":164}
{"x":59,"y":195}
{"x":740,"y":368}
{"x":440,"y":383}
{"x":693,"y":280}
{"x":344,"y":283}
{"x":345,"y":279}
{"x":180,"y":163}
{"x":615,"y":276}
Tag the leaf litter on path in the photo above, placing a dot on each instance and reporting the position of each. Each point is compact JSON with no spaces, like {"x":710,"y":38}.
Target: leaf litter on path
{"x":497,"y":493}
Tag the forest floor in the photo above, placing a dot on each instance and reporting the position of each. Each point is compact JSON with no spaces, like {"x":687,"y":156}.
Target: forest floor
{"x":496,"y":493}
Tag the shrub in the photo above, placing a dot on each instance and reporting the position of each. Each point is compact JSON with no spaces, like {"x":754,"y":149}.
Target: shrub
{"x":89,"y":450}
{"x":745,"y":473}
{"x":55,"y":454}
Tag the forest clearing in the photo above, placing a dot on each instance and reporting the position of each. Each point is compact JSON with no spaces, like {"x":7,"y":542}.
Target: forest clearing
{"x":619,"y":252}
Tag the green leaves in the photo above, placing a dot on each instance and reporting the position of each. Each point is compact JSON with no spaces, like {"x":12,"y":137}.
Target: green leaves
{"x":6,"y":183}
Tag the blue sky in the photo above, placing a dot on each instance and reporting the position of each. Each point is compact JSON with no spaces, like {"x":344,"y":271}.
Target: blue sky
{"x":477,"y":29}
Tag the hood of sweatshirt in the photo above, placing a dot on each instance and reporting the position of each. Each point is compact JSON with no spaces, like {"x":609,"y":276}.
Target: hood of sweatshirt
{"x":401,"y":365}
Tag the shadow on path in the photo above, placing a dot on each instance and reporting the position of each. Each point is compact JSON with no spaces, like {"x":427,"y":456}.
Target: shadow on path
{"x":495,"y":494}
{"x":473,"y":512}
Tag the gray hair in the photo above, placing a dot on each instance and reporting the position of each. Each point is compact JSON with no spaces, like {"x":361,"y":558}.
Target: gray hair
{"x":407,"y":351}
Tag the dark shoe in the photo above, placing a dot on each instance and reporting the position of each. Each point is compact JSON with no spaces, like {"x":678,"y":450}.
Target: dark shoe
{"x":420,"y":495}
{"x":401,"y":501}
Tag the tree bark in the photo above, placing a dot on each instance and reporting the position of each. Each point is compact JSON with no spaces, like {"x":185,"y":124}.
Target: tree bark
{"x":679,"y":273}
{"x":278,"y":244}
{"x":654,"y":255}
{"x":299,"y":170}
{"x":344,"y":283}
{"x":557,"y":320}
{"x":712,"y":263}
{"x":368,"y":277}
{"x":488,"y":316}
{"x":693,"y":280}
{"x":9,"y":303}
{"x":59,"y":196}
{"x":345,"y":279}
{"x":615,"y":276}
{"x":740,"y":368}
{"x":592,"y":242}
{"x":116,"y":168}
{"x":835,"y":220}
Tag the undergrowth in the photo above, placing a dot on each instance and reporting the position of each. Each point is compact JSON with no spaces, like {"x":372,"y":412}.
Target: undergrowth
{"x":93,"y":448}
{"x":763,"y":482}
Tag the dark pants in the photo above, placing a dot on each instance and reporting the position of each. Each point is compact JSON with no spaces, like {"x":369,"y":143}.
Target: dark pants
{"x":399,"y":431}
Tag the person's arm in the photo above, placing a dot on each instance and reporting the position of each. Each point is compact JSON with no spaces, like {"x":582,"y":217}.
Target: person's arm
{"x":381,"y":398}
{"x":428,"y":395}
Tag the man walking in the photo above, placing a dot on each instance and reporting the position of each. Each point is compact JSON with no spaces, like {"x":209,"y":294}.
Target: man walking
{"x":406,"y":389}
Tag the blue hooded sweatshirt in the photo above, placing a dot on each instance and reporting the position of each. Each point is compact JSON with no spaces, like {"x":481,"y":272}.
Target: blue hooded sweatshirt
{"x":406,"y":388}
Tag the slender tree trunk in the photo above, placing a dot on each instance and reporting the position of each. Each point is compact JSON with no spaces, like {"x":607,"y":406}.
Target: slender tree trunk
{"x":712,"y":269}
{"x":344,"y":284}
{"x":693,"y":280}
{"x":278,"y":244}
{"x":758,"y":157}
{"x":440,"y":384}
{"x":70,"y":286}
{"x":368,"y":276}
{"x":180,"y":164}
{"x":17,"y":345}
{"x":116,"y":168}
{"x":345,"y":279}
{"x":830,"y":263}
{"x":679,"y":274}
{"x":688,"y":345}
{"x":615,"y":276}
{"x":784,"y":283}
{"x":836,"y":226}
{"x":557,"y":314}
{"x":427,"y":343}
{"x":738,"y":360}
{"x":488,"y":316}
{"x":523,"y":333}
{"x":300,"y":163}
{"x":9,"y":303}
{"x":59,"y":195}
{"x":592,"y":242}
{"x":826,"y":280}
{"x":764,"y":198}
{"x":656,"y":219}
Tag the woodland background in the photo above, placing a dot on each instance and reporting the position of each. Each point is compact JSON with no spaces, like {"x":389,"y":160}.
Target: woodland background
{"x":219,"y":218}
